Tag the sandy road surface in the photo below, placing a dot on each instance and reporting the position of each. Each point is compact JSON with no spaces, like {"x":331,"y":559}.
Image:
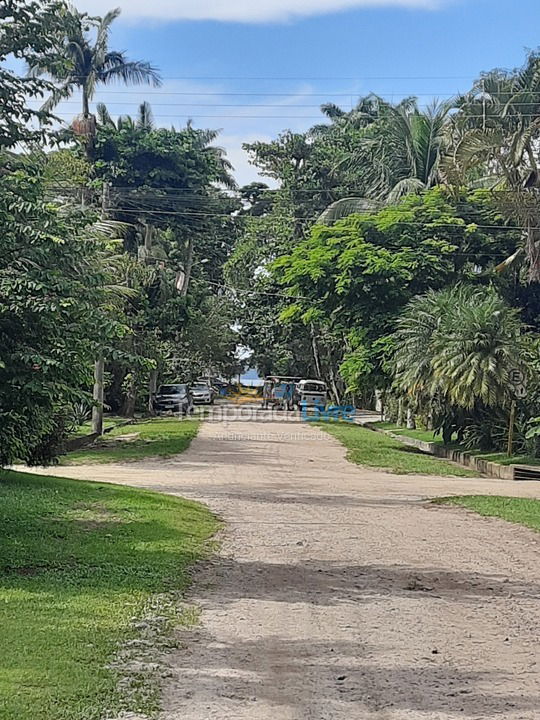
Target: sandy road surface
{"x":339,"y":594}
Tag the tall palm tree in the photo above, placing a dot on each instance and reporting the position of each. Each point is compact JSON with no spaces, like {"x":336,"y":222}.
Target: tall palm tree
{"x":497,"y":131}
{"x":89,"y":63}
{"x":398,"y":153}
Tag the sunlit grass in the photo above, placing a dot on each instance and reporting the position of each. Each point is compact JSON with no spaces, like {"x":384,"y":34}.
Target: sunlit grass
{"x":79,"y":561}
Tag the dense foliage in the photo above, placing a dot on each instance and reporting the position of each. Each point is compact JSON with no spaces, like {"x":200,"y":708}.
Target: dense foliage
{"x":398,"y":257}
{"x":51,"y":294}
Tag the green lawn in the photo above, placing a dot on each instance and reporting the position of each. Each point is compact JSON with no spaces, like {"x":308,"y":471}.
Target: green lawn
{"x":516,"y":510}
{"x":428,"y":436}
{"x":425,"y":435}
{"x":382,"y":451}
{"x":78,"y":562}
{"x":157,"y":438}
{"x":108,"y":422}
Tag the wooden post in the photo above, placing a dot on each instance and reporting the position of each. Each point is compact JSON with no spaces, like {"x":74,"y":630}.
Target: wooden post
{"x":511,"y":424}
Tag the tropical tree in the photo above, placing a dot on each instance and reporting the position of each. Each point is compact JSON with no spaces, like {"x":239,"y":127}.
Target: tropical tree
{"x":144,"y":119}
{"x":87,"y":63}
{"x":495,"y":135}
{"x":398,"y":152}
{"x":454,"y":352}
{"x":27,"y":31}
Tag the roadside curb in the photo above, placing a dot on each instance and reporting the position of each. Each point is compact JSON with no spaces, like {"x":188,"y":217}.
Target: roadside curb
{"x":465,"y":459}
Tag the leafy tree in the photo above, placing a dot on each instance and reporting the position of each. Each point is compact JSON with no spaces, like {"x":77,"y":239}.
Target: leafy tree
{"x":354,"y":277}
{"x":163,"y":183}
{"x":52,"y":305}
{"x":28,"y":30}
{"x":497,"y":132}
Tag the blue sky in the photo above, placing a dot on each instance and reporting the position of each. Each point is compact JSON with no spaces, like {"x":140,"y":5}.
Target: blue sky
{"x":270,"y":71}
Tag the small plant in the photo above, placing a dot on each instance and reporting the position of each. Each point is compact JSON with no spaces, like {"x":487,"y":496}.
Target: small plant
{"x":79,"y":414}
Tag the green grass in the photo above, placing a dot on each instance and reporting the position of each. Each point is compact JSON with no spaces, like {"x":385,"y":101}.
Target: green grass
{"x":504,"y":459}
{"x":157,"y":438}
{"x":516,"y":510}
{"x":429,"y":436}
{"x":79,"y":561}
{"x":108,"y":422}
{"x":425,"y":435}
{"x":382,"y":451}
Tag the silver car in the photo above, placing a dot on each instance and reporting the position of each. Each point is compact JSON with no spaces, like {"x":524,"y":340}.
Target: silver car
{"x":203,"y":394}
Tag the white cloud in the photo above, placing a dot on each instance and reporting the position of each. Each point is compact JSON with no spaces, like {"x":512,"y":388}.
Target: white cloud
{"x":246,"y":11}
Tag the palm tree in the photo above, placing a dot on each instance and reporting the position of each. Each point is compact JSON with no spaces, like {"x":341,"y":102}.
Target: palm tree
{"x":460,"y":344}
{"x":89,"y":63}
{"x":398,"y":153}
{"x":497,"y":132}
{"x":143,"y":121}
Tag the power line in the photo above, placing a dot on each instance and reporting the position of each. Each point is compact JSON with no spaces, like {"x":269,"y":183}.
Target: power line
{"x":277,"y":78}
{"x":434,"y":222}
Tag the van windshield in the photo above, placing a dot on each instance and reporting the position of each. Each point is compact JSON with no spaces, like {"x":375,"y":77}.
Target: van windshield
{"x":172,"y":390}
{"x":314,"y":387}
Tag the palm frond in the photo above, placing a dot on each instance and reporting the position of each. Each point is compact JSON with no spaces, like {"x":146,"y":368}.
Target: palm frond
{"x":345,"y":207}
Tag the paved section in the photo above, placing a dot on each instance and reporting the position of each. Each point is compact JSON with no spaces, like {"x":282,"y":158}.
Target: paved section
{"x":339,"y":594}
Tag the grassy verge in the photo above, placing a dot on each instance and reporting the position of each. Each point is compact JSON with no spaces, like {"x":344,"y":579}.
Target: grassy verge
{"x":516,"y":510}
{"x":382,"y":451}
{"x":79,"y":561}
{"x":157,"y":438}
{"x":429,"y":436}
{"x":425,"y":435}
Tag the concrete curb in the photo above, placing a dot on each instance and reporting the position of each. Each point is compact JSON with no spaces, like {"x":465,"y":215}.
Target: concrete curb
{"x":484,"y":467}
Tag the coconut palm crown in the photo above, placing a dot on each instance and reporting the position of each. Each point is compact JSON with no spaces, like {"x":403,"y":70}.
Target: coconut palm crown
{"x":89,"y":62}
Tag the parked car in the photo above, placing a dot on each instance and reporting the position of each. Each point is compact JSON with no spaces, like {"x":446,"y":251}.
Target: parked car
{"x":203,"y":393}
{"x":176,"y":398}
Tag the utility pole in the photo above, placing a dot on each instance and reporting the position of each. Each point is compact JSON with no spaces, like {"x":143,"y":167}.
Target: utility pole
{"x":99,"y":367}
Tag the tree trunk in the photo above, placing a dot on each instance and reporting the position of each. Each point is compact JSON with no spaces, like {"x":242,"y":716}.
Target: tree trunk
{"x":400,"y":414}
{"x":152,"y":389}
{"x":85,"y":102}
{"x":430,"y":420}
{"x":188,"y":268}
{"x":333,"y":384}
{"x":97,"y":410}
{"x":533,"y":252}
{"x":148,"y":239}
{"x":131,"y":397}
{"x":316,"y":356}
{"x":411,"y":424}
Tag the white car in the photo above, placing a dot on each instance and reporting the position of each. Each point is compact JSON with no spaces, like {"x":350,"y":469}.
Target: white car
{"x":203,"y":394}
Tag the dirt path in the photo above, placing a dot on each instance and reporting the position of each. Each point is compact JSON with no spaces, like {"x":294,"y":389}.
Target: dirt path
{"x":339,"y":595}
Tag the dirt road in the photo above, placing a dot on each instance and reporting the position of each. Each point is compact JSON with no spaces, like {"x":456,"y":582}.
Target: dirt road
{"x":339,"y":595}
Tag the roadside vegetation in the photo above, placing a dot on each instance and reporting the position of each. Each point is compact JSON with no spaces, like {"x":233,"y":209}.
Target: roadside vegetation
{"x":400,"y":249}
{"x":152,"y":439}
{"x":431,"y":436}
{"x":78,"y":563}
{"x":516,"y":510}
{"x":377,"y":450}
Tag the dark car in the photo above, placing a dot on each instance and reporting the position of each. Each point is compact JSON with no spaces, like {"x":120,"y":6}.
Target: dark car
{"x":175,"y":398}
